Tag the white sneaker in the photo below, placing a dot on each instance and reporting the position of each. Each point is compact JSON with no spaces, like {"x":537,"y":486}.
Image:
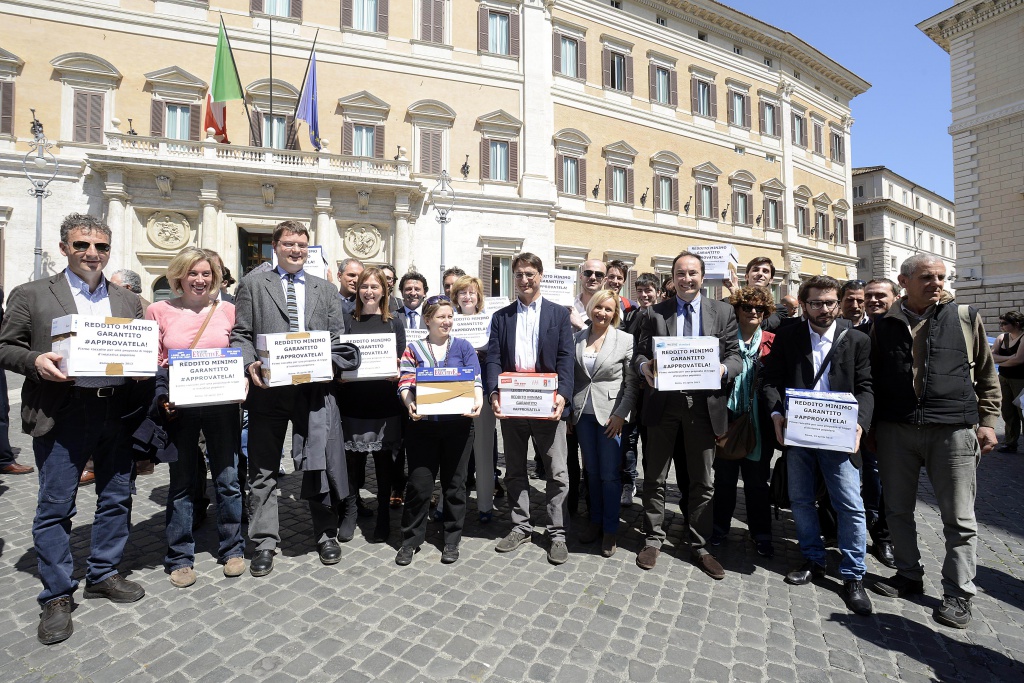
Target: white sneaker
{"x":628,"y":491}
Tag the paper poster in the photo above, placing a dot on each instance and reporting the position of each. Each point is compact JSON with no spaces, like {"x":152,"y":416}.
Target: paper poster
{"x":821,"y":419}
{"x":559,"y":286}
{"x":687,"y":363}
{"x":377,"y":353}
{"x":472,"y":328}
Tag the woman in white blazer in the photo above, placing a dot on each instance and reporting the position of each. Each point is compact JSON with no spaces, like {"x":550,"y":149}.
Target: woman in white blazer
{"x":606,"y":389}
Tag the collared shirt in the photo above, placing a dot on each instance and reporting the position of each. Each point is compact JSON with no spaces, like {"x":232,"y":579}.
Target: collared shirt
{"x":91,"y":303}
{"x":581,"y":307}
{"x":299,"y":282}
{"x":527,"y":335}
{"x":415,"y":322}
{"x":820,"y":346}
{"x":694,"y":316}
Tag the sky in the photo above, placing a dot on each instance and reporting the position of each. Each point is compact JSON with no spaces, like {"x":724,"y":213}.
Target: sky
{"x":901,"y":121}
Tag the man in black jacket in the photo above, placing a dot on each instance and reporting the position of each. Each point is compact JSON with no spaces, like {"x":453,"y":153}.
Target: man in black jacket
{"x":796,"y":361}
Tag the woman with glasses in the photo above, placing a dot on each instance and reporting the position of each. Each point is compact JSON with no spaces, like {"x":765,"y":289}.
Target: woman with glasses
{"x":468,"y":297}
{"x":371,"y":414}
{"x":752,"y":305}
{"x":196,"y":319}
{"x":605,"y":391}
{"x":437,"y":443}
{"x":1008,"y":353}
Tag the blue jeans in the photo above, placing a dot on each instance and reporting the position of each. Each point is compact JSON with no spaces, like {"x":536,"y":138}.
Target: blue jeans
{"x":603,"y":459}
{"x":843,"y":483}
{"x":221,"y":426}
{"x":630,"y":441}
{"x":85,"y":428}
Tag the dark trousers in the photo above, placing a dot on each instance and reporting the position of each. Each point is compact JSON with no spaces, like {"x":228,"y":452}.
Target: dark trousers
{"x":85,"y":427}
{"x":268,"y":423}
{"x":756,"y":484}
{"x":874,"y":497}
{"x":6,"y":454}
{"x":384,"y":467}
{"x":436,"y":448}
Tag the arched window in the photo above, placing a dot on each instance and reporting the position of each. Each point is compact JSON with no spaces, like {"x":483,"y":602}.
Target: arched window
{"x":162,"y":290}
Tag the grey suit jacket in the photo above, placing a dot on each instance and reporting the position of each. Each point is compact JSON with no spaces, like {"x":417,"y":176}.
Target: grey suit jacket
{"x":25,"y":335}
{"x":718,"y":319}
{"x":613,"y":385}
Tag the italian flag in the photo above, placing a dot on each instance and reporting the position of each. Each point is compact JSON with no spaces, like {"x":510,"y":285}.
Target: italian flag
{"x":224,"y":86}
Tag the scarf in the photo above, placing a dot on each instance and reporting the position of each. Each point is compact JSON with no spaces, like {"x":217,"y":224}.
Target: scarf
{"x":743,"y":385}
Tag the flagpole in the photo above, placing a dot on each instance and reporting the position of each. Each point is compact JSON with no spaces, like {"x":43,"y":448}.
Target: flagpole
{"x":306,"y":74}
{"x":271,"y":34}
{"x":238,"y":79}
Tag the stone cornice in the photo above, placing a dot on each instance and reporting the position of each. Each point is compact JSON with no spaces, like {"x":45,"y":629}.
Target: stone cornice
{"x":964,"y":16}
{"x":986,"y":117}
{"x":891,"y":206}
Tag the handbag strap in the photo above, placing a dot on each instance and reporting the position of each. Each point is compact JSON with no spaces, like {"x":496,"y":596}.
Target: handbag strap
{"x":828,"y":358}
{"x":205,"y":323}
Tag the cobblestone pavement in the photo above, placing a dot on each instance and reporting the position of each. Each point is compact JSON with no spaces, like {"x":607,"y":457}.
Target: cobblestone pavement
{"x":498,"y":618}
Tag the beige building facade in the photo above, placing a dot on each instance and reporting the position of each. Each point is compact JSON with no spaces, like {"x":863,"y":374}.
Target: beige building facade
{"x":574,"y":129}
{"x":985,"y":42}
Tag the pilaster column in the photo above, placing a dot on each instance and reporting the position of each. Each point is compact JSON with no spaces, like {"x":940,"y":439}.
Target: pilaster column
{"x":322,"y":210}
{"x":538,"y":108}
{"x":117,"y":198}
{"x":402,"y":251}
{"x":209,"y":200}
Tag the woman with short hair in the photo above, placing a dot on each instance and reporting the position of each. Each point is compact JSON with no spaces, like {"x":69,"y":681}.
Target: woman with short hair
{"x":1008,"y":353}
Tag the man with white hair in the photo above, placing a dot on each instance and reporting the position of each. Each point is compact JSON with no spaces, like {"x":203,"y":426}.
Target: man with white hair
{"x":937,"y":405}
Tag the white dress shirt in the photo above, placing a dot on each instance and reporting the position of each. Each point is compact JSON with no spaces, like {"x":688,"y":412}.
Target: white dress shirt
{"x":694,"y":316}
{"x":91,"y":303}
{"x":820,"y":345}
{"x":299,"y":282}
{"x":527,"y":335}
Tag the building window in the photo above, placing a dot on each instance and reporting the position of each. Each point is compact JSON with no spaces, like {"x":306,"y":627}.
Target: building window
{"x":772,"y":214}
{"x":931,"y":243}
{"x":800,"y":218}
{"x":858,"y":232}
{"x":178,"y":121}
{"x":929,"y":208}
{"x":890,"y":190}
{"x":769,"y":119}
{"x":942,"y":244}
{"x":703,"y":96}
{"x":840,"y":226}
{"x":498,"y":160}
{"x":838,"y":148}
{"x":770,"y":158}
{"x":430,"y":152}
{"x":796,"y":75}
{"x":88,"y":117}
{"x":702,"y":36}
{"x":569,"y":56}
{"x":661,"y":21}
{"x":432,"y":21}
{"x":707,"y":201}
{"x":277,"y":8}
{"x":819,"y":134}
{"x":858,"y":191}
{"x":663,"y":85}
{"x":7,"y":108}
{"x":618,"y":186}
{"x":917,"y":203}
{"x":906,"y":235}
{"x":742,"y":208}
{"x":618,"y":70}
{"x":667,"y":199}
{"x":892,"y":230}
{"x":739,"y":109}
{"x":799,"y":130}
{"x":616,"y":4}
{"x":497,"y":32}
{"x":820,"y":225}
{"x":892,"y":263}
{"x":372,"y":16}
{"x":768,"y":62}
{"x":362,"y":140}
{"x":570,"y":175}
{"x":737,"y":50}
{"x":906,"y":198}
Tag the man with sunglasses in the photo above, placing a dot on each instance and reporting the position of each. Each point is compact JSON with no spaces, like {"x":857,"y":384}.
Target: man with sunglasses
{"x":591,"y":280}
{"x":71,"y":420}
{"x":824,"y":354}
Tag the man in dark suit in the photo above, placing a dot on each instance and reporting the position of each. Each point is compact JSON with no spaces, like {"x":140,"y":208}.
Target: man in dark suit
{"x":694,"y":416}
{"x":8,"y":463}
{"x":71,"y":421}
{"x":285,"y":299}
{"x":533,"y":335}
{"x":348,"y":275}
{"x":796,"y":359}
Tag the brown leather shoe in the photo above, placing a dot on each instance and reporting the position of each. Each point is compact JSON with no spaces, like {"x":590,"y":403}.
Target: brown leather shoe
{"x":648,"y":557}
{"x":710,"y":566}
{"x":608,"y":545}
{"x":88,"y":477}
{"x":144,"y":467}
{"x":16,"y":468}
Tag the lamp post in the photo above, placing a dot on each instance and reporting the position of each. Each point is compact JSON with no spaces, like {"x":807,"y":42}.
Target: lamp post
{"x":443,"y":199}
{"x":36,"y":166}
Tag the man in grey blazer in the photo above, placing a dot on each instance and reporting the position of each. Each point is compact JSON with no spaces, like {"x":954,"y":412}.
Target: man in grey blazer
{"x":71,"y":420}
{"x":284,"y":299}
{"x":694,"y":416}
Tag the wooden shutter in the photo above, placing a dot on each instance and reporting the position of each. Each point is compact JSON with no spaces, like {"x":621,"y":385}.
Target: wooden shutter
{"x":7,"y":108}
{"x":608,"y":194}
{"x":382,"y":16}
{"x":256,"y":129}
{"x":652,"y":81}
{"x":581,"y":174}
{"x":195,"y":122}
{"x":699,"y":210}
{"x":486,"y":273}
{"x":817,"y":139}
{"x":581,"y":59}
{"x":426,"y":33}
{"x":760,"y":118}
{"x":378,"y":142}
{"x":730,"y":109}
{"x":675,"y":195}
{"x":256,"y":6}
{"x":556,"y":52}
{"x":346,"y":13}
{"x":673,"y":88}
{"x":629,"y":187}
{"x":657,"y":192}
{"x":482,"y":29}
{"x":157,"y":109}
{"x":81,"y":116}
{"x":735,"y":208}
{"x":714,"y":202}
{"x":296,"y":9}
{"x":796,"y":136}
{"x":606,"y":67}
{"x":713,"y":95}
{"x":513,"y":161}
{"x":95,"y":124}
{"x":803,"y":134}
{"x":631,"y":276}
{"x":437,"y":32}
{"x":513,"y":34}
{"x":485,"y":159}
{"x":347,"y":135}
{"x":559,"y":174}
{"x":629,"y":74}
{"x":778,"y":123}
{"x":796,"y":220}
{"x":750,"y":210}
{"x":746,"y":111}
{"x":694,"y":96}
{"x":430,"y":151}
{"x":291,"y":140}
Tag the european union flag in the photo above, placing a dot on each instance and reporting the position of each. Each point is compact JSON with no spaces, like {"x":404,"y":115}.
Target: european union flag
{"x":307,"y":110}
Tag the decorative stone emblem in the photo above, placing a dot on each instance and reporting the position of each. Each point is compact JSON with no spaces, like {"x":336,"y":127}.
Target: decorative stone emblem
{"x":168,"y":230}
{"x":363,"y":241}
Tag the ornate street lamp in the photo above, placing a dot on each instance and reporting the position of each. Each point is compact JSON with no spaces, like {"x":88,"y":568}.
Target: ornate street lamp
{"x":37,"y":168}
{"x":442,"y":196}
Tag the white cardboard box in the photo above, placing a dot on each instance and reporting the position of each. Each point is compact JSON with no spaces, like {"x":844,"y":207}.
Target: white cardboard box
{"x":527,"y":394}
{"x":97,"y":346}
{"x":377,"y":356}
{"x":203,"y":377}
{"x":445,"y":391}
{"x":295,"y":357}
{"x":687,"y":363}
{"x":720,"y":260}
{"x":821,"y":419}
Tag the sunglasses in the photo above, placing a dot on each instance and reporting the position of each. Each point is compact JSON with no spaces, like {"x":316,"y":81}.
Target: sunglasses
{"x":440,"y":298}
{"x":82,"y":245}
{"x":750,"y":308}
{"x":593,"y":273}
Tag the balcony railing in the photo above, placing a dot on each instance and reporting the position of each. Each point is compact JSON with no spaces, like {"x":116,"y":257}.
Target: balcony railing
{"x":165,"y":148}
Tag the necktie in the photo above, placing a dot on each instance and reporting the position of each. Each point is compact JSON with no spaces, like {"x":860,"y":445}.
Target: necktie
{"x":412,"y":320}
{"x":687,"y":320}
{"x":293,"y":305}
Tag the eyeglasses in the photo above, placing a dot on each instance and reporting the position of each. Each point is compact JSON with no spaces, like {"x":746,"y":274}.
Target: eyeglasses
{"x":437,"y":299}
{"x":818,"y":305}
{"x":294,"y":245}
{"x":750,"y":308}
{"x":520,"y":275}
{"x":82,"y":245}
{"x":593,"y":273}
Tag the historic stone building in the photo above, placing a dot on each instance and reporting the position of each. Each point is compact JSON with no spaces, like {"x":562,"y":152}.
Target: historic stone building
{"x":985,"y":42}
{"x":571,"y":128}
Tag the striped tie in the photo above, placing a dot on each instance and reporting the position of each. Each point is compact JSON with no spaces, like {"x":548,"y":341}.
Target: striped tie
{"x":293,"y":306}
